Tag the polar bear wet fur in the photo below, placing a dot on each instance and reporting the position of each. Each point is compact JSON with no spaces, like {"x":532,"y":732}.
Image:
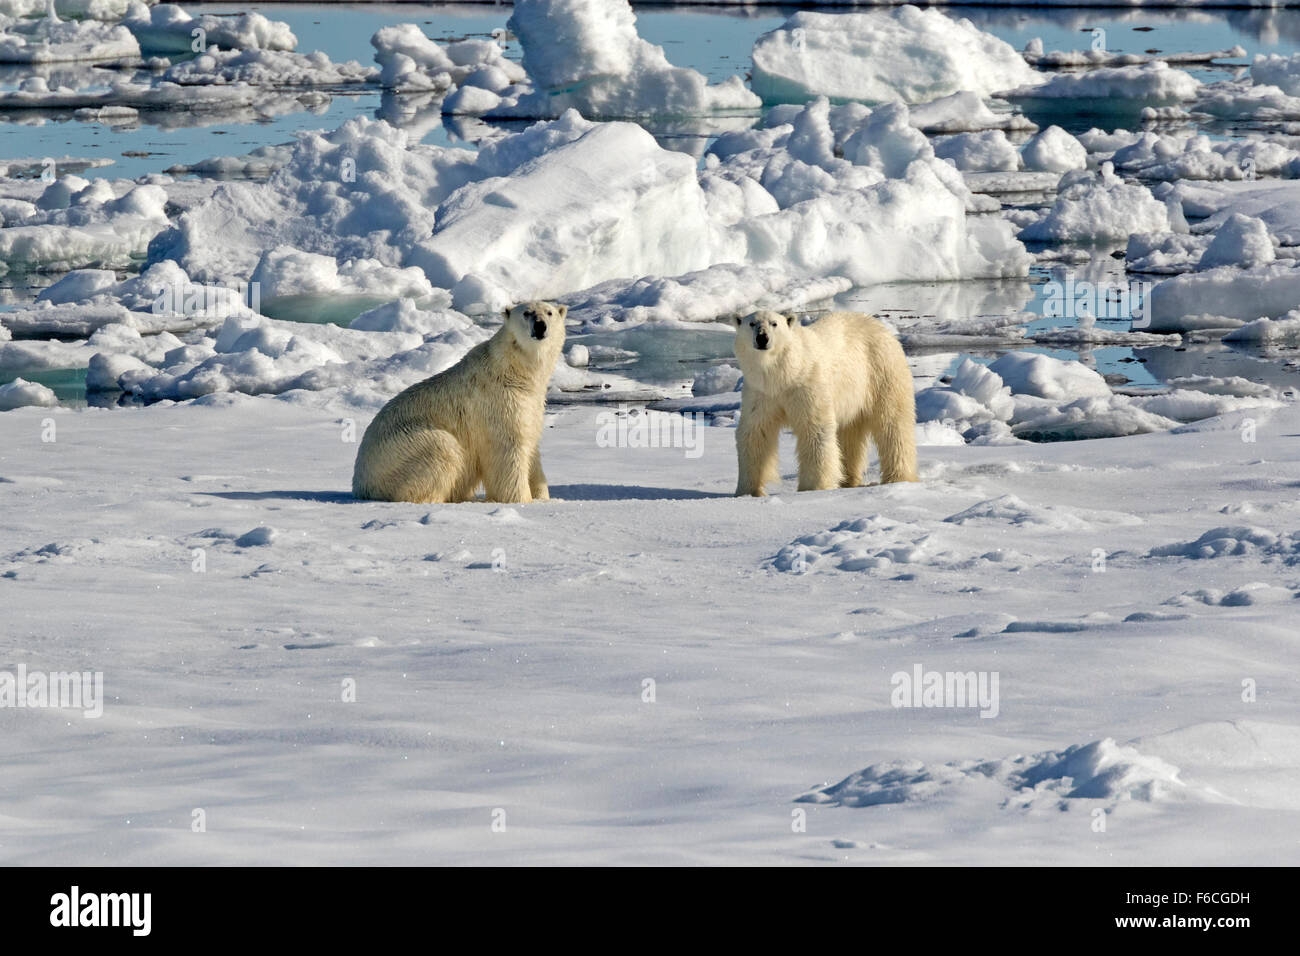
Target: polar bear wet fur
{"x":479,"y":422}
{"x":834,"y":383}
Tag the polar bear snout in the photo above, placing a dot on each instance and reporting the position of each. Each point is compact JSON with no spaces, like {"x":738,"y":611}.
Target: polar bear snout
{"x":761,"y":340}
{"x":539,"y":328}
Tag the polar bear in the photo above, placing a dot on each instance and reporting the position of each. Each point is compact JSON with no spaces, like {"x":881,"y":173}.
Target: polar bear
{"x":480,"y":421}
{"x":834,"y":383}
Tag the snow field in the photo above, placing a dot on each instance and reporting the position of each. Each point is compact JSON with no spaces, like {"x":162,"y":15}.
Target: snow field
{"x":523,"y":688}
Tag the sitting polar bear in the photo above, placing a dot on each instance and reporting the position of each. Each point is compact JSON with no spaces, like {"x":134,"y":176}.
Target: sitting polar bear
{"x":480,"y":421}
{"x":833,"y":383}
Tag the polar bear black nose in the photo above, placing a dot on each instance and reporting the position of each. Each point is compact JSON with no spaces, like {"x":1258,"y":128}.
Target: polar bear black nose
{"x":761,"y":340}
{"x":539,"y":329}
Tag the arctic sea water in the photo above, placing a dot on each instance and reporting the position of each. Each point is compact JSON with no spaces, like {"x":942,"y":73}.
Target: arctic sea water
{"x":715,"y":41}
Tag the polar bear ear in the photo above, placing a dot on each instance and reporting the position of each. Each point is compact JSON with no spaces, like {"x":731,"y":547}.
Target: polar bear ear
{"x":791,"y":319}
{"x":505,"y":314}
{"x":738,"y":318}
{"x":564,"y":311}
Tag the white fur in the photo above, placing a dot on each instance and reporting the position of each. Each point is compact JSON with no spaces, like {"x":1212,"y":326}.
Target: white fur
{"x":834,"y":383}
{"x":479,"y":422}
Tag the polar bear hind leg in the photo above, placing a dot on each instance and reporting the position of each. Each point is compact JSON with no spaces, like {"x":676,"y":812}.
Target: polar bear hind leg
{"x":537,"y":478}
{"x":895,"y":438}
{"x":428,"y":466}
{"x":853,"y":451}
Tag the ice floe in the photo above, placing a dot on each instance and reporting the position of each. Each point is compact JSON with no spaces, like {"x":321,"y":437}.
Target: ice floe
{"x":260,"y":67}
{"x":1031,"y":396}
{"x":577,"y":54}
{"x":21,"y":393}
{"x":567,"y":205}
{"x":76,"y":223}
{"x":411,"y":62}
{"x":167,"y":28}
{"x":1097,"y":208}
{"x":51,"y":40}
{"x":906,"y":54}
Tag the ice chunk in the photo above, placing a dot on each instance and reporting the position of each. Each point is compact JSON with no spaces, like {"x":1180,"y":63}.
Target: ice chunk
{"x":167,"y":28}
{"x":563,"y":224}
{"x":78,"y":285}
{"x":1273,"y":69}
{"x":1097,"y":209}
{"x":1179,"y":157}
{"x":907,"y":54}
{"x":987,"y":151}
{"x":716,"y":380}
{"x":1241,"y":241}
{"x":964,"y":112}
{"x":410,"y":61}
{"x":20,"y":393}
{"x":267,"y":68}
{"x":285,"y":271}
{"x":1152,"y":84}
{"x":1087,"y":418}
{"x":77,"y":224}
{"x":1268,"y":332}
{"x":1029,"y":373}
{"x":1228,"y":296}
{"x":1054,"y":150}
{"x":65,"y":41}
{"x":587,"y":55}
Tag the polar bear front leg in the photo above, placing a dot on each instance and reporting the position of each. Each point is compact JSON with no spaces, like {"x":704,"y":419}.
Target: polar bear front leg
{"x":506,"y":477}
{"x":757,"y":447}
{"x":537,"y":478}
{"x":817,"y":447}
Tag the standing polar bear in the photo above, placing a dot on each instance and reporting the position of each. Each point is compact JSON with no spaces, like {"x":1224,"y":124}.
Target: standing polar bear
{"x":479,"y":422}
{"x":834,"y":384}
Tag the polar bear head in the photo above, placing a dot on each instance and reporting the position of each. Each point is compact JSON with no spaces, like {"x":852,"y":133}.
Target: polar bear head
{"x":537,"y":326}
{"x":763,"y":335}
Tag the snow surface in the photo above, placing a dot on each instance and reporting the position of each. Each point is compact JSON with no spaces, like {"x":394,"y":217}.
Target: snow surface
{"x":522,"y":688}
{"x":1069,"y":516}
